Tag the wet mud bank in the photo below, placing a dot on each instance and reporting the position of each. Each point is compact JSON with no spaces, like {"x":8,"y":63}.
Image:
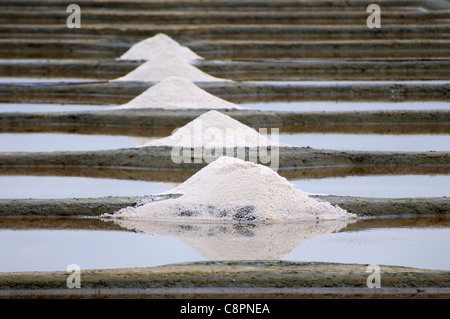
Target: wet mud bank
{"x":232,"y":279}
{"x":185,"y":33}
{"x":94,"y":223}
{"x":145,"y":119}
{"x":226,"y":4}
{"x":163,"y":158}
{"x":159,"y":132}
{"x":362,"y":206}
{"x":103,"y":92}
{"x":179,"y":176}
{"x":433,"y":69}
{"x":236,"y":49}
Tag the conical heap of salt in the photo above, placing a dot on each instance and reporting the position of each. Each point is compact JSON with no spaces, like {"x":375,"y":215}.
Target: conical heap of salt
{"x":177,"y":93}
{"x":164,"y":65}
{"x":215,"y":130}
{"x":230,"y":189}
{"x":160,"y":43}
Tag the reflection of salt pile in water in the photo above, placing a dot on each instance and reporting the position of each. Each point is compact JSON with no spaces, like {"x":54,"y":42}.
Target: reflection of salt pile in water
{"x":160,"y":43}
{"x":215,"y":130}
{"x":177,"y":93}
{"x":230,"y":189}
{"x":244,"y":241}
{"x":164,"y":65}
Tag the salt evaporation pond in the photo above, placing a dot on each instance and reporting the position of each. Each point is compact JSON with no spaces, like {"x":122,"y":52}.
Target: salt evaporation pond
{"x":75,"y":187}
{"x":370,"y":142}
{"x":47,"y":142}
{"x":384,"y":186}
{"x":46,"y":107}
{"x":334,"y":106}
{"x":41,"y":80}
{"x":51,"y":250}
{"x":340,"y":83}
{"x":283,"y":106}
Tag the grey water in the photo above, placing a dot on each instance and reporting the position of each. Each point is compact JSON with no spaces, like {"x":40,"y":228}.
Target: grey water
{"x":54,"y":250}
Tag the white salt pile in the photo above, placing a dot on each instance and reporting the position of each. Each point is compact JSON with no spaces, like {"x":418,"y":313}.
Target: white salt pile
{"x":164,"y":65}
{"x":177,"y":93}
{"x":214,"y":129}
{"x":230,"y":189}
{"x":160,"y":43}
{"x":226,"y":241}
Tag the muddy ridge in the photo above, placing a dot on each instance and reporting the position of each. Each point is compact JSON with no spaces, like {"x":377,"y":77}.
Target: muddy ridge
{"x":231,"y":279}
{"x":362,"y":206}
{"x":161,"y":158}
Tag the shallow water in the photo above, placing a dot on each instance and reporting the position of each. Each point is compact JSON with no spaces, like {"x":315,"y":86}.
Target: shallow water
{"x":4,"y":80}
{"x":56,"y":249}
{"x":339,"y":83}
{"x":413,"y":247}
{"x":75,"y":187}
{"x":369,"y":142}
{"x":48,"y":142}
{"x":331,"y":106}
{"x":292,"y":106}
{"x":44,"y":107}
{"x":390,"y":186}
{"x":387,"y":186}
{"x":37,"y":249}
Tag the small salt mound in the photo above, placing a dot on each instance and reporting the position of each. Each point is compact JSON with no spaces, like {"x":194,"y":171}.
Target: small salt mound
{"x":165,"y":65}
{"x":160,"y":43}
{"x":230,"y":189}
{"x":177,"y":93}
{"x":216,"y":130}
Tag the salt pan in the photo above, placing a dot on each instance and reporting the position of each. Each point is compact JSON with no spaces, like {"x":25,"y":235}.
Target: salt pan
{"x":164,"y":65}
{"x":230,"y":189}
{"x":177,"y":93}
{"x":160,"y":43}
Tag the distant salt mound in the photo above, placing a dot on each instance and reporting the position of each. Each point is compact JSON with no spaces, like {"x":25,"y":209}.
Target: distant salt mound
{"x":154,"y":46}
{"x":165,"y":65}
{"x":215,"y":130}
{"x":230,"y":189}
{"x":177,"y":93}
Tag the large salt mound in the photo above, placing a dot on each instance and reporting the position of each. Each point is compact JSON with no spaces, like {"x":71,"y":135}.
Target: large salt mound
{"x":177,"y":93}
{"x":160,"y":43}
{"x":230,"y":189}
{"x":216,"y":130}
{"x":165,"y":65}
